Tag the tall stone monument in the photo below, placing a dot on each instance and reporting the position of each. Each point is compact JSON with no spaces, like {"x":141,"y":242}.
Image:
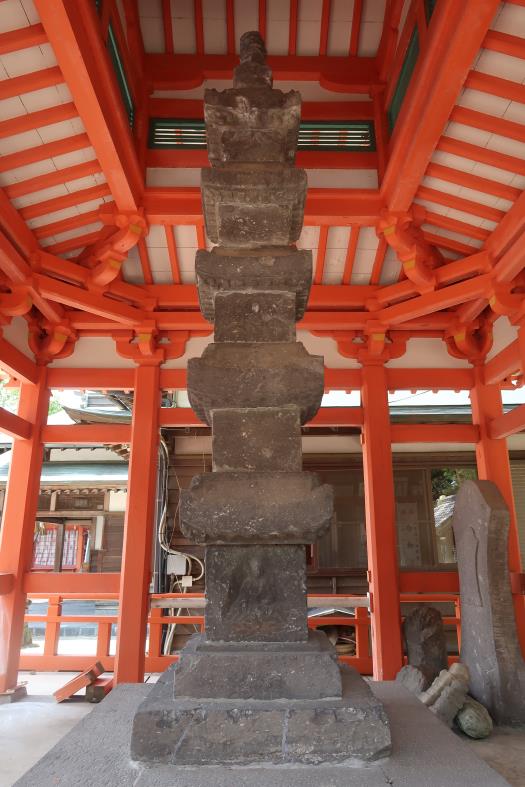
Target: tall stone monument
{"x":489,"y":640}
{"x":257,"y":686}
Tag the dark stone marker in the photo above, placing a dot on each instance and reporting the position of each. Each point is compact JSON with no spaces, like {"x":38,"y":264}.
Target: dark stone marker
{"x":489,"y":641}
{"x":425,"y":641}
{"x":257,"y":686}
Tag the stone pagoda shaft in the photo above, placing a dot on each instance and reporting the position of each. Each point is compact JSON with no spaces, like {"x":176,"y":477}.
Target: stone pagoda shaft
{"x":255,"y":384}
{"x":257,"y":686}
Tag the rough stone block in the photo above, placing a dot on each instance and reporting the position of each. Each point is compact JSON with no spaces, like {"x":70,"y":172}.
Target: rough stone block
{"x":255,"y":317}
{"x":413,"y":679}
{"x":255,"y":375}
{"x":249,"y":209}
{"x":256,"y":593}
{"x":184,"y":731}
{"x":261,"y":671}
{"x":252,"y":124}
{"x":425,"y":641}
{"x":217,"y":271}
{"x":258,"y":507}
{"x":474,"y":719}
{"x":263,"y":438}
{"x":489,"y":641}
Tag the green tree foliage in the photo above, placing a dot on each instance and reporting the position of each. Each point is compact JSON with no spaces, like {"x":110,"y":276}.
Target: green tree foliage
{"x":9,"y":400}
{"x":447,"y":480}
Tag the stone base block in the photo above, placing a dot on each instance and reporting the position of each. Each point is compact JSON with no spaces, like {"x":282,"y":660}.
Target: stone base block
{"x":262,"y":438}
{"x":256,"y":593}
{"x":262,"y":670}
{"x":235,"y":732}
{"x":249,"y":209}
{"x":289,"y":271}
{"x":230,"y":375}
{"x":256,"y":508}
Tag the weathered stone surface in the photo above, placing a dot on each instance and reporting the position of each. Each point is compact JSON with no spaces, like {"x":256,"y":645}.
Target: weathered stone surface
{"x":263,"y":438}
{"x":249,"y":209}
{"x":252,"y":124}
{"x":255,"y":375}
{"x":489,"y":642}
{"x":263,"y":671}
{"x":447,"y":693}
{"x":195,"y":731}
{"x":262,"y":507}
{"x":252,"y":71}
{"x":255,"y":317}
{"x":413,"y":679}
{"x":474,"y":719}
{"x":287,"y":271}
{"x":256,"y":593}
{"x":425,"y":641}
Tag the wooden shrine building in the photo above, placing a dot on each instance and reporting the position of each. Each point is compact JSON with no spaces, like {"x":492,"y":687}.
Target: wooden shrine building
{"x":413,"y":138}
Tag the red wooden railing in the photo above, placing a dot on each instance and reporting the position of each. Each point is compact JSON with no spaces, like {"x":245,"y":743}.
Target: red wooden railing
{"x":51,"y":660}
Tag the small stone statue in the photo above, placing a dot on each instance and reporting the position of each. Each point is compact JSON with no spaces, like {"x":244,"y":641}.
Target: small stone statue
{"x":446,"y":696}
{"x":474,"y":719}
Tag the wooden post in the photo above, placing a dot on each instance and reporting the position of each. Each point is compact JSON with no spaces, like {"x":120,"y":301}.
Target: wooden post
{"x":381,"y":535}
{"x":138,"y":528}
{"x":492,"y":458}
{"x":18,"y":525}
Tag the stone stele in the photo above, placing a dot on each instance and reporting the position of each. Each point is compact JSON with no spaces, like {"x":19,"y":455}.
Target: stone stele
{"x":425,"y":641}
{"x":256,"y":686}
{"x":489,"y":641}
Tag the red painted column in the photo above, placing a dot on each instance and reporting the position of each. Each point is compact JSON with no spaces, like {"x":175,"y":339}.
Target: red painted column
{"x":492,"y":458}
{"x":381,"y":536}
{"x":138,"y":528}
{"x":18,"y":525}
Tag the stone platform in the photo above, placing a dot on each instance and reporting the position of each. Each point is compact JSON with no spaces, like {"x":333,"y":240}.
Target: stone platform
{"x":425,"y":754}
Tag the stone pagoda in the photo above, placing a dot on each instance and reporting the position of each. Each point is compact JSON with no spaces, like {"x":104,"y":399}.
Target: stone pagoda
{"x":257,"y":686}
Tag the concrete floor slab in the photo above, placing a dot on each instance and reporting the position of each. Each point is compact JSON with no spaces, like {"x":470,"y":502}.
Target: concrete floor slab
{"x":426,"y":754}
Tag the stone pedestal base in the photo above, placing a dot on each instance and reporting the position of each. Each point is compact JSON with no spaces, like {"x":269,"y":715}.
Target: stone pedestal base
{"x":189,"y":731}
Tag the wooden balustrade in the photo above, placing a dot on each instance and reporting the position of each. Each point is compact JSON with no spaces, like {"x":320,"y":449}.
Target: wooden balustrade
{"x":156,"y":661}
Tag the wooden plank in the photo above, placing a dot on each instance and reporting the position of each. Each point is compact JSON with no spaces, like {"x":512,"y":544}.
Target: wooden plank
{"x":79,"y":682}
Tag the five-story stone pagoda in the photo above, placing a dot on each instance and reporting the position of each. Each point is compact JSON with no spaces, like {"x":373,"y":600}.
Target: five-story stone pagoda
{"x":257,"y":686}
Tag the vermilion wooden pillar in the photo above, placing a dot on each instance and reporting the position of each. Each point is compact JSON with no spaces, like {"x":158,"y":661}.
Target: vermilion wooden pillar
{"x":381,"y":535}
{"x":138,"y":528}
{"x":18,"y":525}
{"x":492,"y":458}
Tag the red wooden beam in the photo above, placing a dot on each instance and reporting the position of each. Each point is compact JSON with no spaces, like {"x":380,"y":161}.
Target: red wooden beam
{"x":474,"y":119}
{"x":230,"y":27}
{"x":310,"y":110}
{"x":454,"y":38}
{"x":504,"y":43}
{"x":484,"y":155}
{"x":68,"y":583}
{"x":350,"y":254}
{"x":73,"y":31}
{"x":144,"y":261}
{"x":40,"y":182}
{"x":23,"y":38}
{"x":16,"y":364}
{"x":379,"y":259}
{"x":13,"y":425}
{"x":41,"y":152}
{"x":443,"y":242}
{"x":325,"y":27}
{"x":474,"y":182}
{"x":308,"y":159}
{"x":72,"y":244}
{"x":292,"y":26}
{"x":321,"y":255}
{"x":508,"y":424}
{"x":168,"y":28}
{"x":59,"y":203}
{"x":96,"y":379}
{"x":335,"y":207}
{"x":172,"y":252}
{"x":503,"y":365}
{"x":43,"y":117}
{"x":429,"y":379}
{"x":428,"y":582}
{"x":454,"y":225}
{"x":28,"y":83}
{"x":341,"y":74}
{"x":496,"y":86}
{"x":199,"y":26}
{"x":86,"y":434}
{"x":356,"y":27}
{"x":434,"y":433}
{"x":458,"y":203}
{"x":71,"y":223}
